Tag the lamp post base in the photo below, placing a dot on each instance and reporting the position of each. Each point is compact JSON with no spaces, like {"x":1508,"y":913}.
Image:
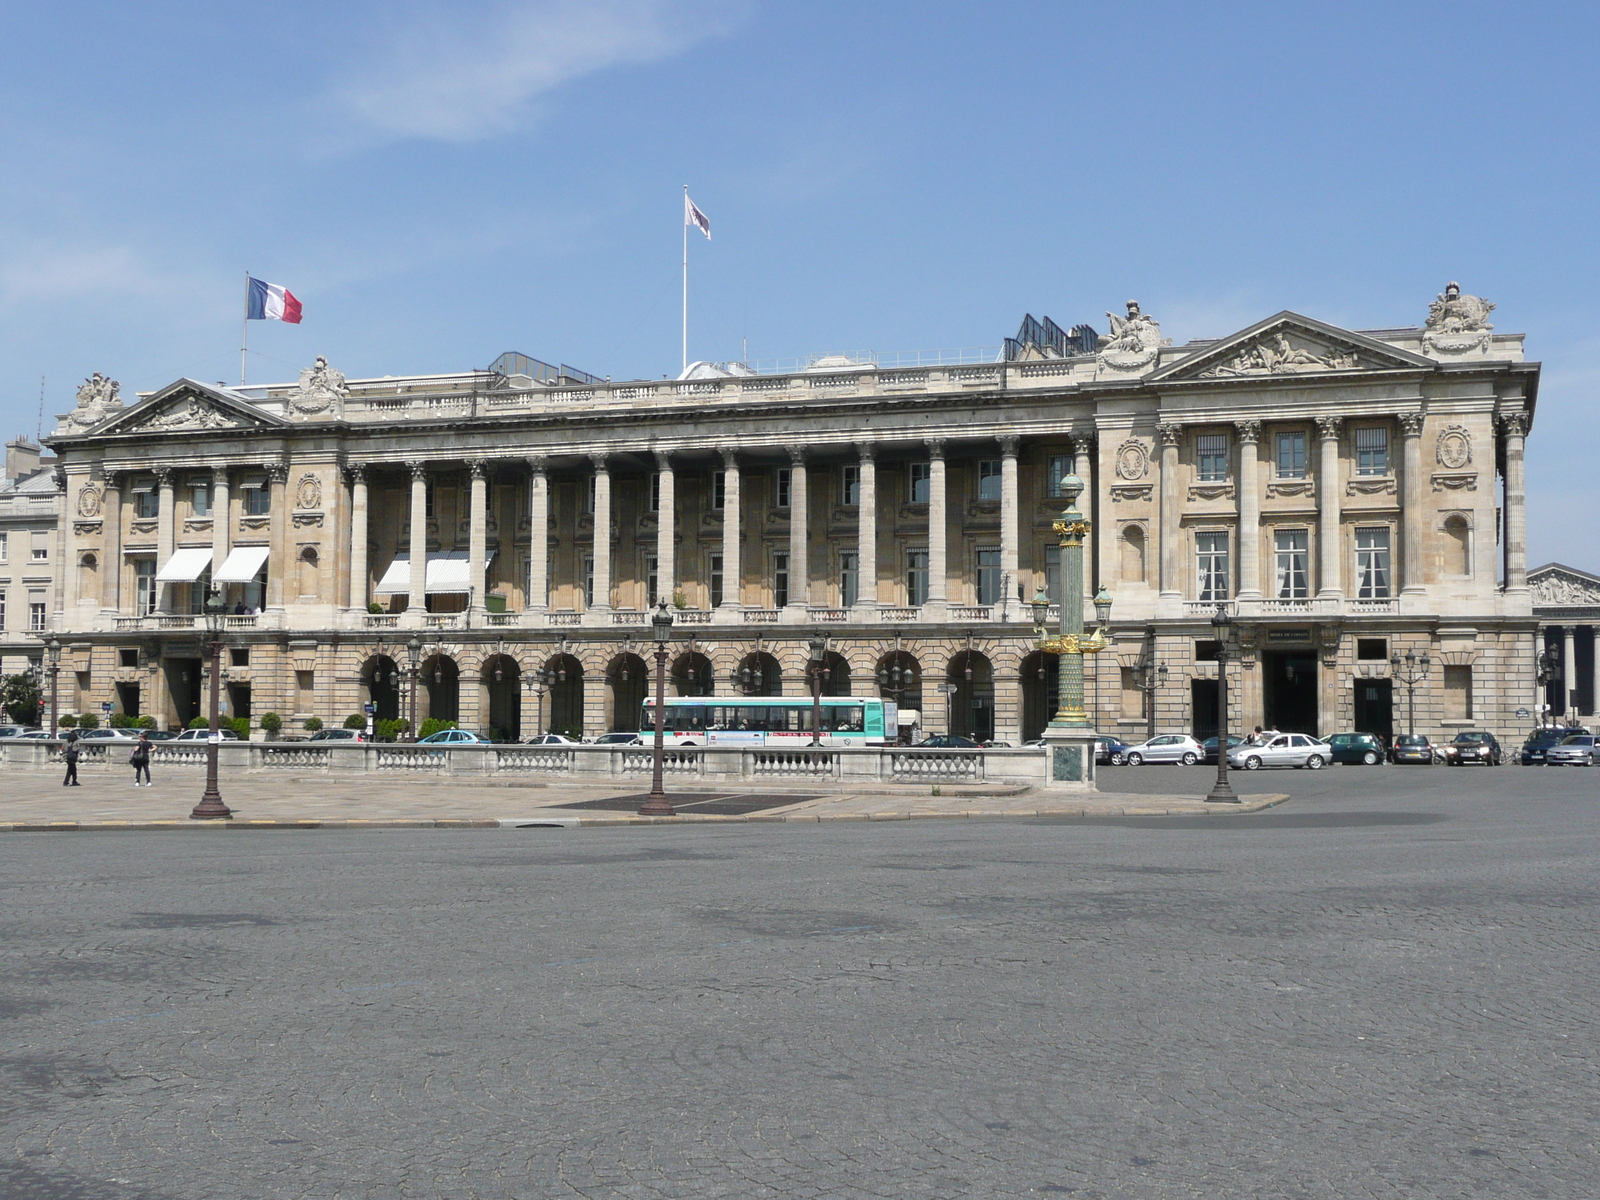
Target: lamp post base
{"x":211,"y":808}
{"x":1069,"y":759}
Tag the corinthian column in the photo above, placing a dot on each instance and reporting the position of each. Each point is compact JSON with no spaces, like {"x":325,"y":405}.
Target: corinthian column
{"x":602,"y":535}
{"x":1008,"y":521}
{"x":1083,"y":468}
{"x":538,"y":598}
{"x":938,"y":530}
{"x":867,"y":529}
{"x":166,"y":532}
{"x":732,"y":527}
{"x":1171,"y":545}
{"x":799,"y":534}
{"x":360,"y":575}
{"x":478,"y":534}
{"x":111,"y":546}
{"x":666,"y":530}
{"x":1249,"y":489}
{"x":1413,"y":514}
{"x":1329,"y":539}
{"x":278,"y":498}
{"x":1514,"y":429}
{"x":417,"y":588}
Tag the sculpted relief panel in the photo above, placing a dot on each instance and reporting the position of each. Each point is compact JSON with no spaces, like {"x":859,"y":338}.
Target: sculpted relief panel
{"x":321,"y":390}
{"x":1560,"y":588}
{"x":1133,"y":460}
{"x":1277,"y":354}
{"x":1454,"y":449}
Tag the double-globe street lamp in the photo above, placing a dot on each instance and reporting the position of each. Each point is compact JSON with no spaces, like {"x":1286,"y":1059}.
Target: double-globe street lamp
{"x":53,"y":649}
{"x":656,"y":804}
{"x":897,"y":677}
{"x":1410,"y":670}
{"x":1548,"y":668}
{"x":817,"y":668}
{"x":211,"y":807}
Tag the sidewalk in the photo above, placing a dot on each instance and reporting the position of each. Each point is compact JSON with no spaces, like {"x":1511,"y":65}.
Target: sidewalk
{"x":35,"y":800}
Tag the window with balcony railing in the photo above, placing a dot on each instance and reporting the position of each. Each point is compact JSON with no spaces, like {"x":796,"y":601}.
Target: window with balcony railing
{"x":1211,"y":551}
{"x":1292,"y":546}
{"x":1372,"y":564}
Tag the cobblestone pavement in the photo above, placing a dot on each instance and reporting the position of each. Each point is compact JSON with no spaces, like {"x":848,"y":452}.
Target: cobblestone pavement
{"x":1379,"y":993}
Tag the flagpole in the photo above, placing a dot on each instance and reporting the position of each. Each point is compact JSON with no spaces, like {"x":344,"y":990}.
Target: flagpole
{"x":244,"y":337}
{"x":686,"y":277}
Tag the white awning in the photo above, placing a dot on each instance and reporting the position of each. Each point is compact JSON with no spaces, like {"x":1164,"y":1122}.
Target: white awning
{"x":185,"y":566}
{"x":449,"y":572}
{"x":243,"y":564}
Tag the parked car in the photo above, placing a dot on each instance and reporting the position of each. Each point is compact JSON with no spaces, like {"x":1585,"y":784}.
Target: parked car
{"x":1282,"y":750}
{"x":994,"y":745}
{"x":617,"y":739}
{"x":454,"y":737}
{"x":1579,"y":750}
{"x":339,"y":735}
{"x":548,"y":739}
{"x":11,"y":731}
{"x":1364,"y":748}
{"x":200,"y":735}
{"x":1540,"y":740}
{"x":1108,"y":751}
{"x":947,"y":741}
{"x":1474,"y":747}
{"x":1208,"y":748}
{"x":36,"y":734}
{"x":1167,"y":747}
{"x":1413,"y":748}
{"x":109,"y":735}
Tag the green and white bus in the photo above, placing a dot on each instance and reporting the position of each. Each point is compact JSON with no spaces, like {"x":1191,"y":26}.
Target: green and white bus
{"x":772,"y":721}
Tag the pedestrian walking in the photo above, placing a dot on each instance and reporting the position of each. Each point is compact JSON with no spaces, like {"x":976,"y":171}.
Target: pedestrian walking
{"x":140,"y":758}
{"x":69,"y":755}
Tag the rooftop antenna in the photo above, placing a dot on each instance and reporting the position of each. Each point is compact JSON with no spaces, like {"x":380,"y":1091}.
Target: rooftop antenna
{"x":38,"y":429}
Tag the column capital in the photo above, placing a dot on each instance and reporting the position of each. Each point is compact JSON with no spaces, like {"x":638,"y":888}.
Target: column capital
{"x":935,"y":448}
{"x":418,"y":469}
{"x":1328,"y":428}
{"x":797,"y":455}
{"x":278,"y":472}
{"x":355,"y":472}
{"x":1169,"y":432}
{"x":113,"y":480}
{"x":1008,"y":445}
{"x":537,"y":464}
{"x":219,"y":473}
{"x":163,"y":477}
{"x":478,"y":468}
{"x":1514,"y":425}
{"x":1083,"y":444}
{"x":1249,"y":432}
{"x":866,"y":451}
{"x":730,"y":457}
{"x":1411,"y":424}
{"x":598,"y":458}
{"x":663,"y":459}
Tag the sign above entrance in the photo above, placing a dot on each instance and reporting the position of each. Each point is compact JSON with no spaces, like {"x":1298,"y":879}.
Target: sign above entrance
{"x":1288,"y":635}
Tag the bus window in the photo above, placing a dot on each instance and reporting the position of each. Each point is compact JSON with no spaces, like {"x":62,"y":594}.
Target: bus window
{"x":844,"y":719}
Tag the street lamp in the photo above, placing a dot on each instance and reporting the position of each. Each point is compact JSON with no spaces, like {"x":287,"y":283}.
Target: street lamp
{"x":414,"y":654}
{"x":1151,"y":676}
{"x":748,"y":679}
{"x":898,"y":678}
{"x":657,"y":805}
{"x":1547,"y":664}
{"x":211,"y":807}
{"x":53,"y":648}
{"x":539,"y":682}
{"x":1414,"y":671}
{"x":1222,"y":791}
{"x":818,"y":669}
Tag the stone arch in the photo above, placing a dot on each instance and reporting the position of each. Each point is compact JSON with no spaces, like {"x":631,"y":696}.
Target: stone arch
{"x":898,"y":677}
{"x":759,"y":674}
{"x":692,"y":674}
{"x":500,"y":696}
{"x":972,"y":702}
{"x":628,"y":681}
{"x":381,"y":686}
{"x":1132,"y":557}
{"x":440,"y":681}
{"x":564,"y":704}
{"x":1041,"y":688}
{"x":836,"y":674}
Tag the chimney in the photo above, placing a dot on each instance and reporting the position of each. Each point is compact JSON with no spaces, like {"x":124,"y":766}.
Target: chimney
{"x":22,"y":457}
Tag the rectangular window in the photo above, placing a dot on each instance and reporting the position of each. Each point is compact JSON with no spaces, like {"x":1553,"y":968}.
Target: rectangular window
{"x":200,"y":499}
{"x":1059,"y":468}
{"x":850,"y":486}
{"x":2,"y":610}
{"x":1212,"y":565}
{"x":430,"y":495}
{"x":652,"y":576}
{"x":1372,"y":649}
{"x":1372,"y":564}
{"x":146,"y":503}
{"x":37,"y":609}
{"x":144,"y":578}
{"x":849,"y":578}
{"x":781,"y":489}
{"x":1458,"y":693}
{"x":916,"y":577}
{"x":1293,"y":558}
{"x":655,"y":492}
{"x":588,"y":493}
{"x":716,"y":580}
{"x":130,"y":658}
{"x":989,"y":479}
{"x":719,"y":489}
{"x":780,"y":579}
{"x":236,"y":658}
{"x":1052,"y":574}
{"x":988,"y":575}
{"x":255,"y":501}
{"x":588,"y":581}
{"x":1372,"y":451}
{"x":41,"y":545}
{"x":1211,"y":451}
{"x":1291,"y":456}
{"x":2,"y":547}
{"x":921,"y":483}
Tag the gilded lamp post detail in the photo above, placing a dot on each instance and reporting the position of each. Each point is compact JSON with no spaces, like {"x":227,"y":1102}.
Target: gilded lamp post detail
{"x":1070,"y":736}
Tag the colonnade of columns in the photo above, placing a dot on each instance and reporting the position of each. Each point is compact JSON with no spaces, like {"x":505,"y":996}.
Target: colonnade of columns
{"x":1568,"y":635}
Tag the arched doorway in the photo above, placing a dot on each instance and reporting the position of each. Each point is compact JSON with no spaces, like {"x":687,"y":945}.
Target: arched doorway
{"x":972,"y":702}
{"x":380,"y":681}
{"x":692,"y":675}
{"x":502,"y":686}
{"x":759,"y":674}
{"x":629,"y":681}
{"x":1041,"y":690}
{"x":835,"y":674}
{"x":899,"y":678}
{"x":441,"y":681}
{"x":566,"y":696}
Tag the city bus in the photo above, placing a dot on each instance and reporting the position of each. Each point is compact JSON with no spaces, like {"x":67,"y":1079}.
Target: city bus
{"x":772,"y":721}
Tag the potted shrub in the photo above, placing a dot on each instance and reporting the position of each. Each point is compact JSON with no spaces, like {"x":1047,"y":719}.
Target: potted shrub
{"x":198,"y":723}
{"x":241,"y":726}
{"x":88,"y":720}
{"x":67,"y":721}
{"x":272,"y":723}
{"x":355,"y":721}
{"x":145,"y":722}
{"x":313,"y":724}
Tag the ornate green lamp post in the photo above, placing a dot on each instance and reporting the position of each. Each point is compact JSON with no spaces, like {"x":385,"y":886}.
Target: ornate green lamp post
{"x":1070,"y":736}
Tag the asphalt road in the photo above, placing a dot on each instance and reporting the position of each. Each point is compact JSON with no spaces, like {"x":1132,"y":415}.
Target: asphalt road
{"x":1384,"y":988}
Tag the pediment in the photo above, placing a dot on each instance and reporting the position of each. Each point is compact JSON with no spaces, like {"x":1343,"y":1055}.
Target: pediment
{"x":1557,"y":584}
{"x":1290,"y":344}
{"x":189,"y":407}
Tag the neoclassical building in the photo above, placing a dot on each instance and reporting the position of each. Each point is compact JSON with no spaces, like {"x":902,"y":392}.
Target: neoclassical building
{"x":30,"y":550}
{"x":1347,"y":495}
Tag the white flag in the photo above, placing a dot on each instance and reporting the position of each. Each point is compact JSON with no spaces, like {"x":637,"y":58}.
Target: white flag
{"x":693,"y":216}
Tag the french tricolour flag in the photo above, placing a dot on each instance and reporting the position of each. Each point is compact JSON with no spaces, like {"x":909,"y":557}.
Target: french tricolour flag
{"x":269,"y":302}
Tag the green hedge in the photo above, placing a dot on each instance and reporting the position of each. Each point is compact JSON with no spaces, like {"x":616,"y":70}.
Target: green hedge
{"x":355,"y":721}
{"x":313,"y":724}
{"x":433,"y":725}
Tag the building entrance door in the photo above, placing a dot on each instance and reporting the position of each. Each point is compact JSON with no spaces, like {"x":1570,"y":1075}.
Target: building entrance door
{"x":1203,"y":706}
{"x":1375,"y":707}
{"x":1289,"y":686}
{"x":183,"y":685}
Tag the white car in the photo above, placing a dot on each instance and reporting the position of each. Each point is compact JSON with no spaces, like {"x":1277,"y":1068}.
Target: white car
{"x":1282,"y":750}
{"x":619,"y":739}
{"x":103,"y":735}
{"x":201,"y":735}
{"x":1167,"y":748}
{"x":552,"y":739}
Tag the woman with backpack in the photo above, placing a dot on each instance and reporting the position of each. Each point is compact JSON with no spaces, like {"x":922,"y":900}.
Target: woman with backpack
{"x":140,"y":758}
{"x":69,"y":755}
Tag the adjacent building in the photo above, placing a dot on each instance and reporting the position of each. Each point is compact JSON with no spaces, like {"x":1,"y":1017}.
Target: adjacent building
{"x":1345,"y":496}
{"x":30,"y":551}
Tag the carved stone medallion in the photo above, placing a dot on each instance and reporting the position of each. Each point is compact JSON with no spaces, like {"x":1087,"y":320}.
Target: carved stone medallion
{"x":89,"y":500}
{"x":308,"y":492}
{"x":1455,"y":447}
{"x":1133,"y":460}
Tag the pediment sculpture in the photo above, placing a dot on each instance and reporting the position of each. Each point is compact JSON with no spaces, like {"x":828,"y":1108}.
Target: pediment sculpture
{"x":1134,"y":341}
{"x":189,"y":413}
{"x":97,"y":400}
{"x":1457,"y":324}
{"x":1277,"y":354}
{"x":321,"y":390}
{"x":1561,"y":588}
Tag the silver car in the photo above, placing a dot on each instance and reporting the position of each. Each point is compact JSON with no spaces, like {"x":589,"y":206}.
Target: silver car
{"x":1168,"y":748}
{"x":1579,"y":750}
{"x":1282,"y":750}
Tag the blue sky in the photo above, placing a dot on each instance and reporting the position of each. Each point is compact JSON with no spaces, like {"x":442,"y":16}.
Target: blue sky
{"x":441,"y":182}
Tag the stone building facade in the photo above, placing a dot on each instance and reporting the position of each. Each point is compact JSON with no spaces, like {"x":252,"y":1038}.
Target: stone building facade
{"x":1346,"y":495}
{"x":30,"y":550}
{"x":1566,"y":602}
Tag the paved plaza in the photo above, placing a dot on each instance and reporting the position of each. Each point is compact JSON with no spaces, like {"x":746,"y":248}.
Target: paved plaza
{"x":1380,"y":989}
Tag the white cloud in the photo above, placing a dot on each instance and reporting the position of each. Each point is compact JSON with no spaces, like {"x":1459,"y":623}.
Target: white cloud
{"x":73,"y":272}
{"x":453,"y":78}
